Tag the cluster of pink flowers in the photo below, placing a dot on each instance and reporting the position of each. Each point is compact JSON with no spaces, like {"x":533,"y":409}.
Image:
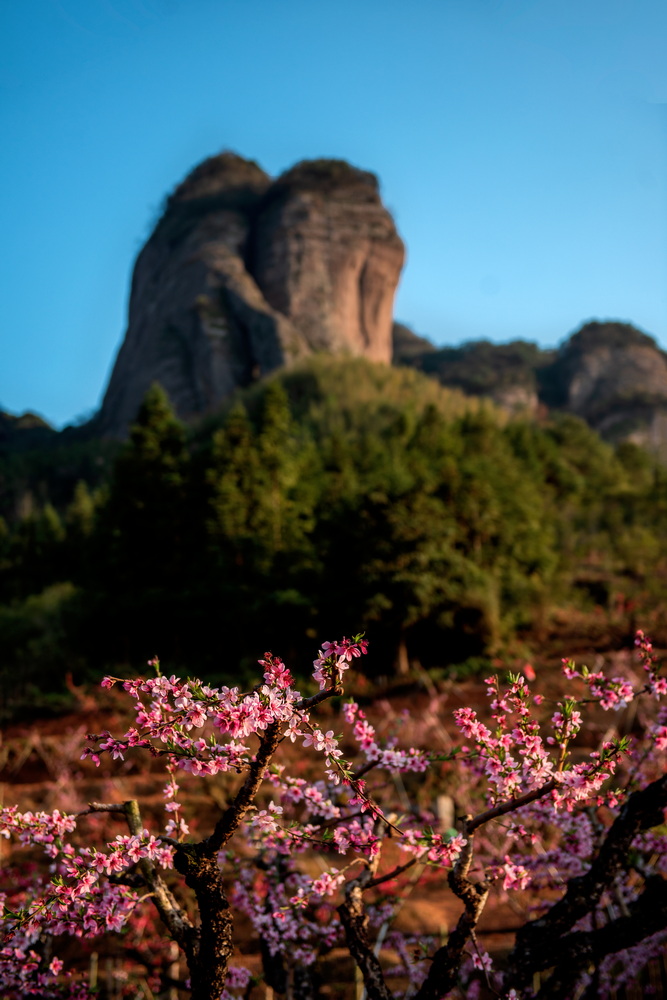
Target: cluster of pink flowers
{"x":515,"y":759}
{"x":123,"y":852}
{"x":46,"y":829}
{"x":335,"y":658}
{"x":389,"y":755}
{"x":25,"y":973}
{"x":433,"y":847}
{"x":609,"y":692}
{"x":538,"y":799}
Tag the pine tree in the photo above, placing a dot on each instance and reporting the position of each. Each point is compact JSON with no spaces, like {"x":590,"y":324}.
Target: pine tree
{"x":142,"y":535}
{"x":234,"y":483}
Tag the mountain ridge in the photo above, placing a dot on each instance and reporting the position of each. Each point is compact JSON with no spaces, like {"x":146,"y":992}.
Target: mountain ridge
{"x":608,"y":373}
{"x":244,"y":274}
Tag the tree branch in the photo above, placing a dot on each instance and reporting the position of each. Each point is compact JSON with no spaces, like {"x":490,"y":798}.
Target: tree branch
{"x":317,"y":699}
{"x":365,"y":769}
{"x":209,"y":960}
{"x":175,"y":919}
{"x":576,"y":952}
{"x":231,"y":819}
{"x":198,"y":863}
{"x":510,"y":805}
{"x":107,"y":807}
{"x":390,"y":875}
{"x":355,"y":922}
{"x":446,"y":962}
{"x":537,"y":941}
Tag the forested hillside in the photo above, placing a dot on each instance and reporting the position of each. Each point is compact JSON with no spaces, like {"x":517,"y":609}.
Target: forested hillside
{"x":340,"y":494}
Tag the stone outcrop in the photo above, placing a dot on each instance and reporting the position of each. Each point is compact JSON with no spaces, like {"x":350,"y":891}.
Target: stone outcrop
{"x":615,"y":378}
{"x":610,"y":374}
{"x":243,"y":274}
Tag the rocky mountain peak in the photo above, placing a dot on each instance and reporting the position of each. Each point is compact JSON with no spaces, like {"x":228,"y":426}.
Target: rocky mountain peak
{"x":224,"y":172}
{"x":243,"y":274}
{"x":334,"y":178}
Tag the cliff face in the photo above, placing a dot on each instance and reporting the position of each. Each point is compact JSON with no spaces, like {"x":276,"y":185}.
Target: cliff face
{"x":243,"y":274}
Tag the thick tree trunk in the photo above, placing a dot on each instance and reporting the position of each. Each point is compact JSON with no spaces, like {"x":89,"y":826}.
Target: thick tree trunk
{"x":209,"y":955}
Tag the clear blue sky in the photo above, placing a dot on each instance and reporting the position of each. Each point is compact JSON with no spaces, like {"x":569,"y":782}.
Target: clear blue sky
{"x":521,"y":145}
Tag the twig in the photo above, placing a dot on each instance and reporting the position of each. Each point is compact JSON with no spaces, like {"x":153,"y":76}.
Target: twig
{"x":103,"y":807}
{"x":321,"y":696}
{"x":390,"y":875}
{"x":510,"y":806}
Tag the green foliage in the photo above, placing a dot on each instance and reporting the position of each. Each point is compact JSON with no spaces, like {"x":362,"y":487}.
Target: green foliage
{"x":34,"y":553}
{"x":45,"y":467}
{"x":482,"y":368}
{"x":144,"y":508}
{"x":35,"y":650}
{"x":260,"y":481}
{"x":407,"y":347}
{"x":142,"y":536}
{"x":337,"y":490}
{"x":81,"y":511}
{"x":611,"y":334}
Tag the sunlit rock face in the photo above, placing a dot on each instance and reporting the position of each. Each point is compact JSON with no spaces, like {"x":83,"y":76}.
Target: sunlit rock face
{"x":243,"y":275}
{"x":327,"y":255}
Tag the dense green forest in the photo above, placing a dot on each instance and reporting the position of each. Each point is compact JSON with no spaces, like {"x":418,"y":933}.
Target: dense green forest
{"x":335,"y":497}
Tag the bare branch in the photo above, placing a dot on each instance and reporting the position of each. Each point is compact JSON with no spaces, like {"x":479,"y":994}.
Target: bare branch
{"x":578,"y":951}
{"x":510,"y":806}
{"x":130,"y":878}
{"x":355,"y":923}
{"x":317,"y":699}
{"x":390,"y":875}
{"x":106,"y":807}
{"x":176,"y":920}
{"x":365,"y":769}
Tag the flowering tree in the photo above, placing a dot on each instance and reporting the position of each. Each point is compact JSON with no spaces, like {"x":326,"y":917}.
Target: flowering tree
{"x":578,"y":837}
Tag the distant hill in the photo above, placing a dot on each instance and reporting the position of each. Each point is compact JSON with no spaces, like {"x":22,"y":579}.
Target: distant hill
{"x":610,"y":374}
{"x":25,"y":431}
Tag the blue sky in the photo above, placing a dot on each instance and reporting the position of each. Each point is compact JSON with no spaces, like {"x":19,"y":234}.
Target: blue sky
{"x":521,"y":146}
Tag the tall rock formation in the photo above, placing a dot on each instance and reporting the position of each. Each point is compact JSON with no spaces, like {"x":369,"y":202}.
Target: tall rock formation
{"x":243,"y":274}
